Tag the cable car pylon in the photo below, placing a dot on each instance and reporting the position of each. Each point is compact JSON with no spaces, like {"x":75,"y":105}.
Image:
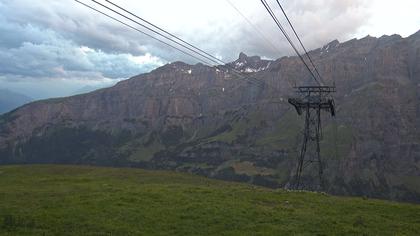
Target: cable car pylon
{"x":310,"y":101}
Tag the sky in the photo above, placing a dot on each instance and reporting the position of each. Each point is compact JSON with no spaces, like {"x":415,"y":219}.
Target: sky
{"x":53,"y":48}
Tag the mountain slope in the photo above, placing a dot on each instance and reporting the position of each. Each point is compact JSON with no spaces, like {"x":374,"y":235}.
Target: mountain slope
{"x":10,"y":100}
{"x":69,"y":200}
{"x":200,"y":119}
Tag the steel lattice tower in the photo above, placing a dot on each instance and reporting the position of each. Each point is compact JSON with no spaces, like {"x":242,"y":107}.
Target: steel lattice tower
{"x":310,"y":101}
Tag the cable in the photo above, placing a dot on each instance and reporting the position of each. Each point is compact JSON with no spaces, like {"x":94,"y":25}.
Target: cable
{"x":166,"y":32}
{"x":115,"y":19}
{"x":273,"y":16}
{"x":207,"y":55}
{"x":201,"y":52}
{"x":297,"y":36}
{"x":154,"y":31}
{"x":255,"y":82}
{"x":262,"y":36}
{"x":268,"y":8}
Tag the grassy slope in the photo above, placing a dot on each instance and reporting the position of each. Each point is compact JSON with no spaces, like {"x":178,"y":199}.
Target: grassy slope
{"x":68,"y":200}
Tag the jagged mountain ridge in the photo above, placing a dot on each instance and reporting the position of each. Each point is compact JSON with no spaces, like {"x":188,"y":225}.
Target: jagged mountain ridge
{"x":200,"y":119}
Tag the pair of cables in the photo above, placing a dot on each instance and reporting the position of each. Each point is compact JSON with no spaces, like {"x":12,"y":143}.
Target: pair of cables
{"x":317,"y":78}
{"x":163,"y":36}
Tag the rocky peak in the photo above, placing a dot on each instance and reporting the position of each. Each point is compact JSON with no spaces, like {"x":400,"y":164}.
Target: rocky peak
{"x":417,"y":34}
{"x":175,"y":65}
{"x":242,"y":57}
{"x":248,"y":64}
{"x":393,"y":36}
{"x":179,"y":67}
{"x":246,"y":59}
{"x":415,"y":37}
{"x":330,"y":45}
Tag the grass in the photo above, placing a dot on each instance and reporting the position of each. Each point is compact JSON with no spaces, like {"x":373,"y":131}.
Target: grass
{"x":145,"y":153}
{"x":288,"y":126}
{"x":249,"y":168}
{"x":336,"y":142}
{"x":74,"y":200}
{"x":238,"y":128}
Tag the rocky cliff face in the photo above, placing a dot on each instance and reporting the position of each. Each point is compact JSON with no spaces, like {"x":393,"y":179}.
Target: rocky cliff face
{"x":205,"y":120}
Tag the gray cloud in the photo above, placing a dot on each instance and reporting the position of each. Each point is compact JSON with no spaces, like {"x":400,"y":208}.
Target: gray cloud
{"x":316,"y":21}
{"x":28,"y":50}
{"x":225,"y":35}
{"x":77,"y":24}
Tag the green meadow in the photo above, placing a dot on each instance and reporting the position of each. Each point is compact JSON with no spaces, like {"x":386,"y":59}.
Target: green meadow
{"x":81,"y":200}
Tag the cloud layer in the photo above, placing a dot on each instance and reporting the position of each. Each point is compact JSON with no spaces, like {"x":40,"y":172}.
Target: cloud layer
{"x":31,"y":51}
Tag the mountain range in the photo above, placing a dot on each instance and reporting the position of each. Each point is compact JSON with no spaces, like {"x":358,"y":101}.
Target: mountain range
{"x":208,"y":121}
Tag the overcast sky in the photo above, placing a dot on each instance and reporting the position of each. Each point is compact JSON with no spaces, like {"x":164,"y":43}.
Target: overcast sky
{"x":57,"y":47}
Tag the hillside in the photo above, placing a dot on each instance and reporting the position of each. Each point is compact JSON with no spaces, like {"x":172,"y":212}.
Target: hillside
{"x":200,"y":119}
{"x":70,"y":200}
{"x":10,"y":100}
